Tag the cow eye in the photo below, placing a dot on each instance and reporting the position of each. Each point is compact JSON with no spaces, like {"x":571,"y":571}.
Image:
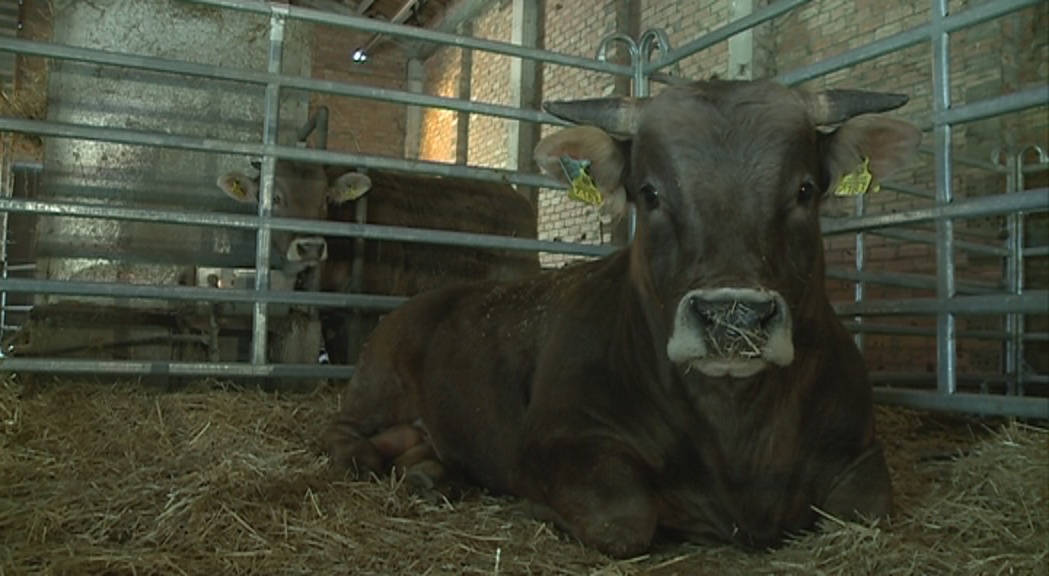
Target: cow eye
{"x":807,"y":191}
{"x":651,"y":196}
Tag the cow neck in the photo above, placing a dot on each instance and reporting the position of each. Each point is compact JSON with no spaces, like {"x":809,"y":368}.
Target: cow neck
{"x":641,"y":332}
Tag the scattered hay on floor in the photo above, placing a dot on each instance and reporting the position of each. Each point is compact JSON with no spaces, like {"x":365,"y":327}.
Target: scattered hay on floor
{"x":119,"y":479}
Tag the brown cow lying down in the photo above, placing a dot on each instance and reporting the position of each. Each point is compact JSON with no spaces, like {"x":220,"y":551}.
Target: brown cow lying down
{"x":696,"y":382}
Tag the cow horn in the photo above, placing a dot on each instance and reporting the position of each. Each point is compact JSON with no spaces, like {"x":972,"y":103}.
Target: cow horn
{"x":617,"y":116}
{"x":834,"y":106}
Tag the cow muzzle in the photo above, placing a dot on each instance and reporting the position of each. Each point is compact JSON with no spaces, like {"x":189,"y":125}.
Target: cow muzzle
{"x":734,"y":332}
{"x":307,"y":250}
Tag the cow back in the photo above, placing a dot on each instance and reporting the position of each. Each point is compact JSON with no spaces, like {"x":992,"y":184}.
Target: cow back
{"x":431,"y":203}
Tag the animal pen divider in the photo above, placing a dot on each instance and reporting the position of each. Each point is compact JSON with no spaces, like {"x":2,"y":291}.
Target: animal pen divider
{"x":1011,"y":390}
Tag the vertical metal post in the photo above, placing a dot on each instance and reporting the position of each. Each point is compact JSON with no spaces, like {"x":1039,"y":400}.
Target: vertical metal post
{"x":861,"y":257}
{"x":1012,"y":281}
{"x":640,"y":54}
{"x":946,"y":344}
{"x":270,"y":124}
{"x":524,"y":92}
{"x":6,"y":191}
{"x":1015,"y":324}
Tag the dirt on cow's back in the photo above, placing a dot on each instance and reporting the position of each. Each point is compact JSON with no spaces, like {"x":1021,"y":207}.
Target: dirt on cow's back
{"x":117,"y":478}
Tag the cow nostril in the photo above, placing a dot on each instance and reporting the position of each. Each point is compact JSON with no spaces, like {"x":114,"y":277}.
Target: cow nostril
{"x":701,"y":309}
{"x":766,"y":312}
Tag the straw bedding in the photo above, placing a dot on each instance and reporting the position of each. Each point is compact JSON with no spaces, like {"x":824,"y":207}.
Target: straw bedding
{"x":116,"y":478}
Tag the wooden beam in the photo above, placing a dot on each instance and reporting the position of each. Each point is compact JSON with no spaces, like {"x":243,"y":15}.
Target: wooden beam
{"x":461,"y":12}
{"x":414,"y":114}
{"x":329,"y":6}
{"x":462,"y":119}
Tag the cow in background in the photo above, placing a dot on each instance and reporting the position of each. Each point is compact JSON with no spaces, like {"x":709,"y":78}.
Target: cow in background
{"x":696,"y":382}
{"x":313,"y":191}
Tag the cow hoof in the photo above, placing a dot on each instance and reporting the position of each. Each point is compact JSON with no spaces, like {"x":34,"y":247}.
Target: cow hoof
{"x":425,"y":476}
{"x":356,"y":456}
{"x":616,"y":541}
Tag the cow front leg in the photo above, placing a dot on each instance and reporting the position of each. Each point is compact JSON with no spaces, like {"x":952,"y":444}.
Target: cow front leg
{"x":374,"y":455}
{"x":597,"y":491}
{"x":864,"y":489}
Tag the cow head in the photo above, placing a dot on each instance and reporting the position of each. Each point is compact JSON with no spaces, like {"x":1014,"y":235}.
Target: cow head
{"x":302,"y":191}
{"x":728,"y":178}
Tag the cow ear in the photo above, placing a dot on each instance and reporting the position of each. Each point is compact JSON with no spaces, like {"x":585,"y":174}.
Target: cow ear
{"x":887,"y":143}
{"x":349,"y":187}
{"x":239,"y":187}
{"x":564,"y":155}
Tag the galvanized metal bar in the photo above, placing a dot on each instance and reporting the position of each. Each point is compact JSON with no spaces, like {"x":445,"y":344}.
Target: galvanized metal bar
{"x":1034,"y":200}
{"x":972,"y":162}
{"x":1033,"y":167}
{"x":946,"y":346}
{"x":193,"y":293}
{"x":6,"y":191}
{"x":158,"y":368}
{"x":1031,"y":302}
{"x":1036,"y":251}
{"x":997,"y":106}
{"x":908,"y":190}
{"x":903,"y":280}
{"x":263,"y":236}
{"x":177,"y":141}
{"x":260,"y":78}
{"x":723,"y":33}
{"x":987,"y":404}
{"x":1013,"y":349}
{"x":974,"y":247}
{"x":924,"y":378}
{"x":860,"y":262}
{"x":320,"y":227}
{"x":424,"y":34}
{"x":970,"y":17}
{"x":897,"y":330}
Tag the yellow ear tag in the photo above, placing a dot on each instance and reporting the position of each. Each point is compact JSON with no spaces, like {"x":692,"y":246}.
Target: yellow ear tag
{"x":858,"y":181}
{"x":238,"y":189}
{"x":351,"y":193}
{"x":583,"y":188}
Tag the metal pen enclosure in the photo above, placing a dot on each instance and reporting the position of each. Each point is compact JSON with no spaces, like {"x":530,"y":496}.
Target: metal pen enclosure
{"x":205,"y":150}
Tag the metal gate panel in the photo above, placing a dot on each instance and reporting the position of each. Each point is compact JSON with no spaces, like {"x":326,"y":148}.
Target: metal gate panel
{"x":934,"y":303}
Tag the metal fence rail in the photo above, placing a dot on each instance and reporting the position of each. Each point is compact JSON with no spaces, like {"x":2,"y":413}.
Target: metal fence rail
{"x":953,"y":297}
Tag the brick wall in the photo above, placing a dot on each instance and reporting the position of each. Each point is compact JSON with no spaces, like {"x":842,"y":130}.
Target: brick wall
{"x":490,"y":83}
{"x":574,"y":28}
{"x":987,"y":60}
{"x":439,"y":136}
{"x":368,"y":126}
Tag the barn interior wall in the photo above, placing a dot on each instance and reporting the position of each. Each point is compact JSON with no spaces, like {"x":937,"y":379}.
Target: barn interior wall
{"x":439,"y":131}
{"x":27,"y":98}
{"x":154,"y":177}
{"x":993,"y":58}
{"x":358,"y":125}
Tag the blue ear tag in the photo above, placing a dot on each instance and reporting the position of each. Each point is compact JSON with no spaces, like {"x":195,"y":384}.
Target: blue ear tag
{"x":583,"y":188}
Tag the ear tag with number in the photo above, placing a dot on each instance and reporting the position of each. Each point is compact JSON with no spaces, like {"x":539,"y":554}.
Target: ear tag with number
{"x":858,"y":181}
{"x":582,"y":187}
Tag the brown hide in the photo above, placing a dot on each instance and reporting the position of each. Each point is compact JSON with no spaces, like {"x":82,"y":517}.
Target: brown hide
{"x":408,"y":268}
{"x":455,"y":204}
{"x":603,"y":393}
